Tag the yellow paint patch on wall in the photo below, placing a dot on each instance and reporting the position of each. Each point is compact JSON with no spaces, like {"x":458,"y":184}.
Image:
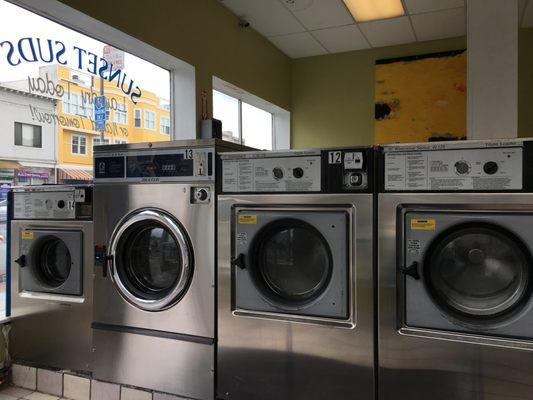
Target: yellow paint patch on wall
{"x":420,"y":99}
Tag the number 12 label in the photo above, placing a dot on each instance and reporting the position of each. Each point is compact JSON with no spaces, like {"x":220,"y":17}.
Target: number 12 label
{"x":335,"y":157}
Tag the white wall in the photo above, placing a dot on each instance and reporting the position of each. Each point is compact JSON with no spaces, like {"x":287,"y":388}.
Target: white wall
{"x":15,"y":107}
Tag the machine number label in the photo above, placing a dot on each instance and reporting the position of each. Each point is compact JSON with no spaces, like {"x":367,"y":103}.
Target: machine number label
{"x":188,"y":154}
{"x":27,"y":235}
{"x":248,"y":219}
{"x":423,"y":224}
{"x":335,"y":157}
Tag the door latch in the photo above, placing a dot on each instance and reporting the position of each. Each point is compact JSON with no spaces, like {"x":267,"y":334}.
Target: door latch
{"x":21,"y":261}
{"x":411,"y":270}
{"x":238,"y":261}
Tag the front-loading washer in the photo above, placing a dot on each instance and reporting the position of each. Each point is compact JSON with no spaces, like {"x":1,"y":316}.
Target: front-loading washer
{"x":295,"y":275}
{"x":52,"y":276}
{"x":154,"y":309}
{"x":455,"y":270}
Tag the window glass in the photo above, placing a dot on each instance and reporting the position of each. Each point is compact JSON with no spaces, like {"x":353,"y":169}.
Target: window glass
{"x":256,"y":127}
{"x":164,"y":124}
{"x":149,"y":120}
{"x":242,"y":122}
{"x":50,"y":76}
{"x":226,"y":109}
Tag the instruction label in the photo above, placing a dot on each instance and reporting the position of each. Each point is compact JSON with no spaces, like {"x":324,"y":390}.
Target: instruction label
{"x":423,"y":224}
{"x":248,"y":219}
{"x":281,"y":174}
{"x":454,"y":169}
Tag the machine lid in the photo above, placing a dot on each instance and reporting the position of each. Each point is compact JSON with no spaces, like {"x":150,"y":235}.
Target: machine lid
{"x":478,"y":271}
{"x":292,"y":261}
{"x":152,"y":258}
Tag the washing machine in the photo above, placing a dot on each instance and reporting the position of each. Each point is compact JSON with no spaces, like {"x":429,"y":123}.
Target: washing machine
{"x":52,"y":276}
{"x":295,"y":275}
{"x":456,"y":271}
{"x":154,"y":309}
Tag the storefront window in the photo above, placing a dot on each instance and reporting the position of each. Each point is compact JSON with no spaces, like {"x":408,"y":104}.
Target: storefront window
{"x":50,"y":77}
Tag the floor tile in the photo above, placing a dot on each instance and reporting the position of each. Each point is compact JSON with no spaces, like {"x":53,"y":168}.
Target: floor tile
{"x":134,"y":394}
{"x":50,"y":382}
{"x":6,"y":397}
{"x":40,"y":396}
{"x":76,"y":387}
{"x":104,"y":391}
{"x":15,"y":391}
{"x":24,"y":376}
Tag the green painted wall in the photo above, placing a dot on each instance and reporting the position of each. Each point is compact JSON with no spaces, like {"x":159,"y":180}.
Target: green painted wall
{"x":333,"y":95}
{"x":205,"y":34}
{"x":525,"y":83}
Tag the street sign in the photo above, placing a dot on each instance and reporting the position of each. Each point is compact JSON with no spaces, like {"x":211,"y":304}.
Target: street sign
{"x":114,"y":56}
{"x":100,"y":113}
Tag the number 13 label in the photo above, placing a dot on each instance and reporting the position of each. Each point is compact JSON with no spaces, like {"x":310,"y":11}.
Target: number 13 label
{"x":335,"y":157}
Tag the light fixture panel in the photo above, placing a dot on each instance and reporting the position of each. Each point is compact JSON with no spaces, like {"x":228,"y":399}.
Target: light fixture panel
{"x":371,"y":10}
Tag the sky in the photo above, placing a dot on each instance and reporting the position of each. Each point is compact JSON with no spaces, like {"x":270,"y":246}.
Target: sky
{"x":17,"y":23}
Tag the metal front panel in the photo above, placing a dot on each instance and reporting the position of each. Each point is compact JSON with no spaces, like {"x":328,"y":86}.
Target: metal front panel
{"x":194,"y":314}
{"x":414,"y":362}
{"x":274,"y":358}
{"x":161,"y":364}
{"x":51,"y":329}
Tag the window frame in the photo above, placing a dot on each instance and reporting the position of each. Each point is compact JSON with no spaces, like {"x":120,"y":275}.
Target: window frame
{"x":147,"y":119}
{"x":135,"y":110}
{"x":118,"y":112}
{"x":281,"y":118}
{"x":22,"y":124}
{"x":182,"y":74}
{"x":169,"y":125}
{"x":79,"y":145}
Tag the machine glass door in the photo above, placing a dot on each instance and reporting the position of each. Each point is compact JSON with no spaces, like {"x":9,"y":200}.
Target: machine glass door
{"x":468,"y":271}
{"x":152,"y":259}
{"x":292,"y":261}
{"x":477,"y":271}
{"x":51,"y":261}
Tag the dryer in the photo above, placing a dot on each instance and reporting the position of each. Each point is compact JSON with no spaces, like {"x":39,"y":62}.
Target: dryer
{"x":154,"y":310}
{"x":295,"y":280}
{"x":456,"y":271}
{"x":52,"y":276}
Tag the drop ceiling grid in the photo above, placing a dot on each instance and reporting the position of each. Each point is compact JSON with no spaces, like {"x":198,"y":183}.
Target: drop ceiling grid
{"x":331,"y":38}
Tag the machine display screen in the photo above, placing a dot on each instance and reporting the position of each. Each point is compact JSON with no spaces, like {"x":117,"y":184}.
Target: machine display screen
{"x":109,"y":167}
{"x":158,"y":165}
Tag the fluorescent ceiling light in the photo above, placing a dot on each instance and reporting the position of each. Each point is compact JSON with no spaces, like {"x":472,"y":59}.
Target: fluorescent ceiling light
{"x":370,"y":10}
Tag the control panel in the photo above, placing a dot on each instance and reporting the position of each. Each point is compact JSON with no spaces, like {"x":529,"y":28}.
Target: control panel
{"x":45,"y":204}
{"x":152,"y":166}
{"x":454,"y":167}
{"x":330,"y":171}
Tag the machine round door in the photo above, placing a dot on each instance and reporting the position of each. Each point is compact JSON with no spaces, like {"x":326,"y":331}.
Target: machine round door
{"x":292,"y":262}
{"x":152,"y":260}
{"x":52,"y":261}
{"x":478,"y":272}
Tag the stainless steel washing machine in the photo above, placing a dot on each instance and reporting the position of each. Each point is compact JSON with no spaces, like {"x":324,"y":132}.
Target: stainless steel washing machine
{"x":154,"y":310}
{"x":455,"y":271}
{"x":295,"y":280}
{"x":52,"y":276}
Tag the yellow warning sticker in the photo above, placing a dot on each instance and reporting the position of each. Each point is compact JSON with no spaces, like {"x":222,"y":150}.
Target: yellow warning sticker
{"x":27,"y":235}
{"x":248,"y":219}
{"x":423,"y":224}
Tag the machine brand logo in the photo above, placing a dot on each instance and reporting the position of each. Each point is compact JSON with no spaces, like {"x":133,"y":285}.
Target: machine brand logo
{"x":150,"y":180}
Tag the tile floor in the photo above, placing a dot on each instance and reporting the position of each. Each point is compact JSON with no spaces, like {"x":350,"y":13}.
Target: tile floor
{"x":31,"y":383}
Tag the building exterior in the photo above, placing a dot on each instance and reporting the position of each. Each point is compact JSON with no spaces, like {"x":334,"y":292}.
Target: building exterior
{"x":60,"y":101}
{"x":148,"y":120}
{"x":27,"y":137}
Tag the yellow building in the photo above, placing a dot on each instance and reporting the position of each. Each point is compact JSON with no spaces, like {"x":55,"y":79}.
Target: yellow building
{"x":148,"y":120}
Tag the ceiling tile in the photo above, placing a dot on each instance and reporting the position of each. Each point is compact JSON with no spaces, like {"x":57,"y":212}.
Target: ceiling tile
{"x":440,"y":24}
{"x":388,"y":32}
{"x":324,"y":14}
{"x":527,"y":22}
{"x":298,"y":45}
{"x":268,"y":17}
{"x":422,"y":6}
{"x":342,"y":38}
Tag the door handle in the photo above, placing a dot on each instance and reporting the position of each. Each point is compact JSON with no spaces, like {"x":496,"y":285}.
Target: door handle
{"x":108,"y":263}
{"x":238,"y":261}
{"x":411,"y":270}
{"x":21,"y":261}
